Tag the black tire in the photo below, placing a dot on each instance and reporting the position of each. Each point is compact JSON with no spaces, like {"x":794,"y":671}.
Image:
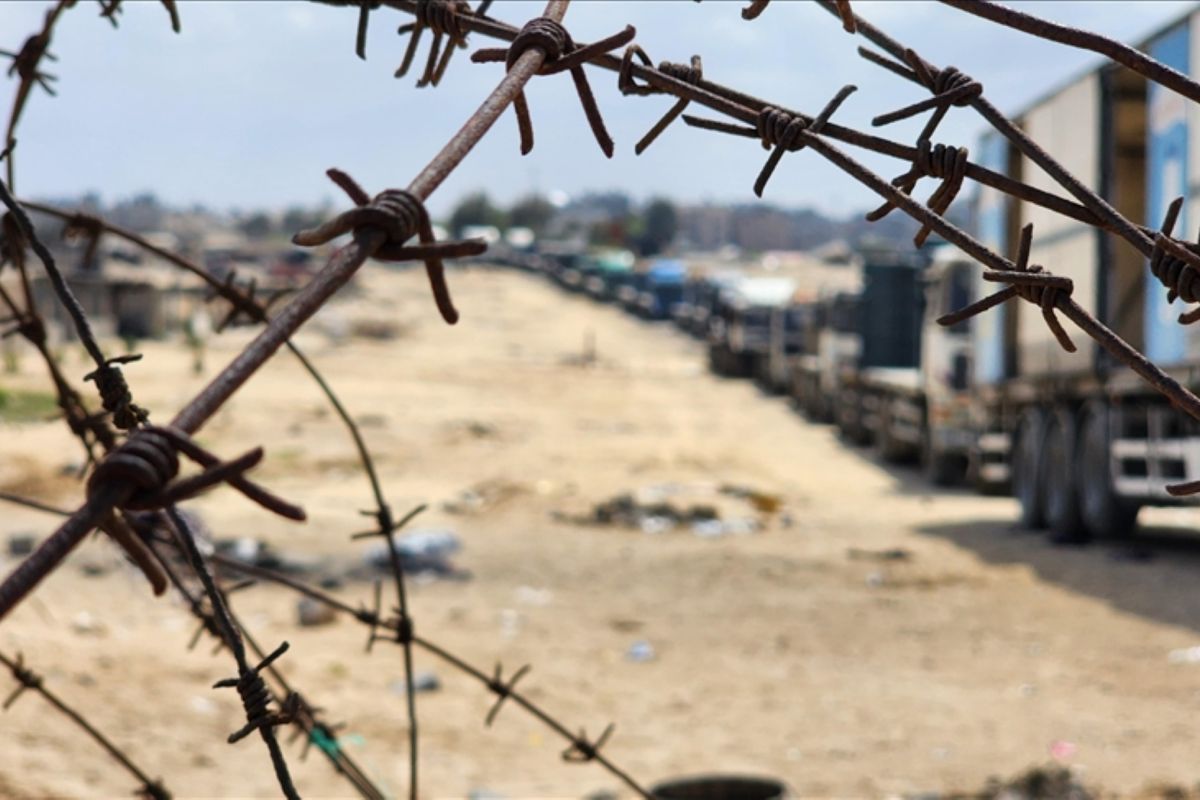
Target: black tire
{"x":1059,"y":478}
{"x":1105,"y":514}
{"x":1026,"y":468}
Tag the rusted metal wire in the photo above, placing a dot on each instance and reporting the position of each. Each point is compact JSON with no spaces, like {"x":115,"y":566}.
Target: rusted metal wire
{"x":1074,"y":37}
{"x":28,"y":680}
{"x":381,"y":227}
{"x":561,"y":55}
{"x":581,"y":748}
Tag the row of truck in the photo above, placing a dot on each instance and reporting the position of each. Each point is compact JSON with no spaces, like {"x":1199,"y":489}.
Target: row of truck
{"x":1078,"y":439}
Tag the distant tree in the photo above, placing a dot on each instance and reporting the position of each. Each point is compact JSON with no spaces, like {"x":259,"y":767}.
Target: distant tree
{"x":532,"y":211}
{"x":660,"y":224}
{"x":256,"y":226}
{"x":475,"y":209}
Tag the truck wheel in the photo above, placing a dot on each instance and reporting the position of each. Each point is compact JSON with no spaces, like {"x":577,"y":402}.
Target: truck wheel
{"x":1059,"y":476}
{"x":1106,"y":515}
{"x":1027,"y":467}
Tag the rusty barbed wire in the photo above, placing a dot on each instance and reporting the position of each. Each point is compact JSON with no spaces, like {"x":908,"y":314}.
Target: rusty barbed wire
{"x":561,"y":55}
{"x":28,"y":680}
{"x":381,"y":227}
{"x":442,"y":17}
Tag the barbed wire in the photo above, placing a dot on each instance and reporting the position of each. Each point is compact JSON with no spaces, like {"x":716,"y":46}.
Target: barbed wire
{"x":136,"y":465}
{"x":28,"y":680}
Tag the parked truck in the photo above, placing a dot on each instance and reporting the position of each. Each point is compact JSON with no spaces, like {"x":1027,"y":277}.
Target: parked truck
{"x":1085,"y":442}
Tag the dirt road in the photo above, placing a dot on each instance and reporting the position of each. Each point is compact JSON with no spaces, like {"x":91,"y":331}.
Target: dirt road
{"x":871,"y":638}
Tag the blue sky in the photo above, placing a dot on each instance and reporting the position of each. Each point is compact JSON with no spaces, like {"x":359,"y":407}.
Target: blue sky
{"x":253,"y":100}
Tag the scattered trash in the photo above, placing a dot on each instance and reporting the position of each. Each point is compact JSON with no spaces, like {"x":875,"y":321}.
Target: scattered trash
{"x":422,"y":682}
{"x":893,"y":554}
{"x":655,"y":510}
{"x":875,"y":580}
{"x":484,"y":794}
{"x":640,"y":652}
{"x":484,"y":496}
{"x":311,"y":613}
{"x":510,"y":623}
{"x":1062,"y":750}
{"x":424,"y":551}
{"x":21,"y":544}
{"x":257,"y":553}
{"x":532,"y":596}
{"x":202,"y":705}
{"x":85,"y":624}
{"x":1186,"y":655}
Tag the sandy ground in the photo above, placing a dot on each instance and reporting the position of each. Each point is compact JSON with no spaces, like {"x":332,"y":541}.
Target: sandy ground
{"x":791,"y":652}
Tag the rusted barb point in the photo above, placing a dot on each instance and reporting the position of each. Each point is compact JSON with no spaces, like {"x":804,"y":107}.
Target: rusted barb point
{"x":365,"y":7}
{"x":945,"y":162}
{"x":502,"y":689}
{"x":562,"y":55}
{"x":755,"y":8}
{"x":169,"y":5}
{"x":581,"y":750}
{"x":27,"y":678}
{"x":401,"y":215}
{"x":1183,"y":489}
{"x":1176,"y":264}
{"x":441,"y":17}
{"x":688,"y":73}
{"x":115,"y":395}
{"x":787,"y":132}
{"x":847,"y":15}
{"x":256,"y":698}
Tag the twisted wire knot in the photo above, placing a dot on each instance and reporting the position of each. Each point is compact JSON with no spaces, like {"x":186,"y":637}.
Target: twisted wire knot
{"x":779,"y":128}
{"x":502,"y":689}
{"x":25,"y":61}
{"x":952,"y":79}
{"x":1176,"y":264}
{"x":147,"y":461}
{"x":786,"y":132}
{"x":401,"y":215}
{"x":691,"y":73}
{"x":547,"y":34}
{"x":561,"y":55}
{"x":441,"y":16}
{"x":945,"y":162}
{"x":581,"y":750}
{"x":256,"y":698}
{"x":27,"y":678}
{"x":1028,"y":282}
{"x":949,"y":87}
{"x":115,"y":394}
